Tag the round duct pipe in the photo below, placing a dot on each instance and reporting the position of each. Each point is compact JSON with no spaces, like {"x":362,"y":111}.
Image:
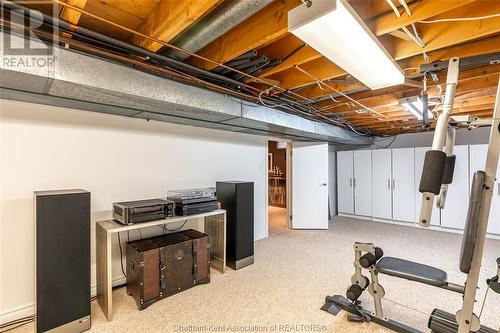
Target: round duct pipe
{"x":215,"y":24}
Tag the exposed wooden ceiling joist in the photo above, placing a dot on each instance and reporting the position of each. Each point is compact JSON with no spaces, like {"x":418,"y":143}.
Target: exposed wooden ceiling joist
{"x":472,"y":79}
{"x":440,"y":35}
{"x":301,"y":56}
{"x":381,"y":25}
{"x":321,"y":68}
{"x":368,"y":9}
{"x":412,"y":65}
{"x":71,"y":15}
{"x":420,"y":10}
{"x":314,"y":91}
{"x":470,"y":49}
{"x":170,"y":18}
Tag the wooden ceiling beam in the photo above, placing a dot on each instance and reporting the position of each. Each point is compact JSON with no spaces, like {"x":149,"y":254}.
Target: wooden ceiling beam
{"x":442,"y":35}
{"x":169,"y":18}
{"x":314,"y":91}
{"x":282,"y":47}
{"x":260,"y":29}
{"x":369,"y":10}
{"x":372,"y":8}
{"x":436,"y":35}
{"x":471,"y":79}
{"x":411,"y":66}
{"x":70,"y":15}
{"x":303,"y":55}
{"x":420,"y":10}
{"x":321,"y":68}
{"x":471,"y":88}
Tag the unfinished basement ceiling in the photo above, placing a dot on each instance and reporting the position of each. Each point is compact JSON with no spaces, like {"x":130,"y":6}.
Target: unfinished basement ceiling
{"x":227,"y":32}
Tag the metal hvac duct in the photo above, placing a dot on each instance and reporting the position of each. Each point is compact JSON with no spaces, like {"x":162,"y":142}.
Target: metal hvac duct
{"x":215,"y":24}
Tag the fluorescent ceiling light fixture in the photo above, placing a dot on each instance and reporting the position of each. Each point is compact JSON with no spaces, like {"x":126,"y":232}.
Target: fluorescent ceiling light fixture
{"x":415,"y":106}
{"x":335,"y":30}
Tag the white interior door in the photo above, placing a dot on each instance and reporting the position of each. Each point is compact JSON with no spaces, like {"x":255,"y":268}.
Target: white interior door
{"x":381,"y":183}
{"x":362,"y":182}
{"x":454,"y":213}
{"x":419,"y":165}
{"x":309,"y":185}
{"x":403,"y":184}
{"x":345,"y":175}
{"x":477,"y":162}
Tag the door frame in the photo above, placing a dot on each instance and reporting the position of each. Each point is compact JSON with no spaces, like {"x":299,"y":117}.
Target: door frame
{"x":288,"y":173}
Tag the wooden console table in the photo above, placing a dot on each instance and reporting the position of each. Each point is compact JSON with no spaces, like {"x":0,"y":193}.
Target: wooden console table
{"x":214,"y":226}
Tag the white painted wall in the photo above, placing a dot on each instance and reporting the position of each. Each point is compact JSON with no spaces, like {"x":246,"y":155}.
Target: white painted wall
{"x":116,"y":159}
{"x":424,"y":139}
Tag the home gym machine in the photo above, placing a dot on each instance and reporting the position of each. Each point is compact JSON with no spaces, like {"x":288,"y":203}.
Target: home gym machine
{"x":436,"y":175}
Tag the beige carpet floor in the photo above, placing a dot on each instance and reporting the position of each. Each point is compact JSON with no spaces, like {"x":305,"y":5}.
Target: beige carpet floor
{"x":293,"y":272}
{"x":277,"y":220}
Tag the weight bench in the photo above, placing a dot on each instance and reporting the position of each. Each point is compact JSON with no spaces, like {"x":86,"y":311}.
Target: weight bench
{"x":412,"y":271}
{"x":369,"y":257}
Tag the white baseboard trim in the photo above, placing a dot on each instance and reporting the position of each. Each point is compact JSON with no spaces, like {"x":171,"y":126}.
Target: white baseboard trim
{"x":17,"y":313}
{"x":260,"y":236}
{"x":29,"y":309}
{"x":413,"y":225}
{"x":359,"y":217}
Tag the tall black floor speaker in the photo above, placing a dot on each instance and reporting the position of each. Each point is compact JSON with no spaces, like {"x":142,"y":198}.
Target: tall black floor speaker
{"x":237,"y":199}
{"x":62,"y":221}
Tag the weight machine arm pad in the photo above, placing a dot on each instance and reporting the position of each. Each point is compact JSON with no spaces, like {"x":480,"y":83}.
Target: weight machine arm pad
{"x":432,"y":173}
{"x":449,"y":169}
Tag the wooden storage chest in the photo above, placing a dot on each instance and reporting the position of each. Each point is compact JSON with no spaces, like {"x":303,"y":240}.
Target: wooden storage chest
{"x":161,"y":266}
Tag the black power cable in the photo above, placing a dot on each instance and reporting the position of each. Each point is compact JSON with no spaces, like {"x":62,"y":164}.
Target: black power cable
{"x":121,"y":254}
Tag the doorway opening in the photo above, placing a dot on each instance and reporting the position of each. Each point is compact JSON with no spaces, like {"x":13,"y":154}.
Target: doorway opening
{"x":278,"y":186}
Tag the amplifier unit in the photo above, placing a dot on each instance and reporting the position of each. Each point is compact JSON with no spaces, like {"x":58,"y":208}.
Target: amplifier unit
{"x":131,"y":212}
{"x":195,"y":208}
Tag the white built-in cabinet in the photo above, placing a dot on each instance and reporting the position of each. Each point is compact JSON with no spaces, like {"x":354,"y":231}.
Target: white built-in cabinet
{"x":403,"y":184}
{"x":419,"y":165}
{"x":454,"y":214}
{"x":477,"y":162}
{"x":383,"y":184}
{"x":362,"y":182}
{"x":345,"y":175}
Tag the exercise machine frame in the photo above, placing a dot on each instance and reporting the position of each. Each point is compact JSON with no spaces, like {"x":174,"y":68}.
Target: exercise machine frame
{"x":465,"y":319}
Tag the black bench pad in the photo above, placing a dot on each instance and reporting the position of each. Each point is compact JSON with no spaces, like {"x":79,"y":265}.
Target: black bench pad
{"x":412,"y":271}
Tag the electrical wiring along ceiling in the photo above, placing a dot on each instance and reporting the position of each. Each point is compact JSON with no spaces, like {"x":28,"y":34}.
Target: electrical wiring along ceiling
{"x":274,"y":68}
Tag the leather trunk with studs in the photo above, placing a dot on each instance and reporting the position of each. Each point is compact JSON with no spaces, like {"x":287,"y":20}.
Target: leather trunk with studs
{"x":161,"y":266}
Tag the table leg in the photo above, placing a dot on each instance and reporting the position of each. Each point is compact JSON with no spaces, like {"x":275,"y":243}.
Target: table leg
{"x":215,"y":227}
{"x":104,"y":271}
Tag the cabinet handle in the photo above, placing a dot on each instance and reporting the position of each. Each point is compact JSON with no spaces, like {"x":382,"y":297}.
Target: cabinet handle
{"x":350,"y":182}
{"x":394,"y":184}
{"x":388,"y":184}
{"x":354,"y":183}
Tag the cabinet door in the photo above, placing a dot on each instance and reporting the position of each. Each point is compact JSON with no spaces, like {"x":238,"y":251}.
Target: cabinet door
{"x":363,"y":182}
{"x":419,"y":165}
{"x":457,"y":199}
{"x":403,"y":184}
{"x":345,"y":194}
{"x":477,"y":162}
{"x":381,"y":183}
